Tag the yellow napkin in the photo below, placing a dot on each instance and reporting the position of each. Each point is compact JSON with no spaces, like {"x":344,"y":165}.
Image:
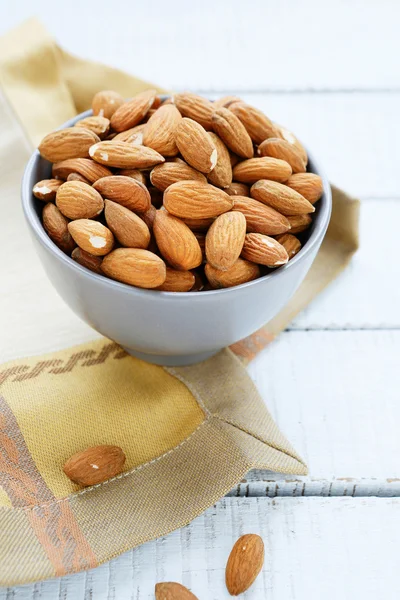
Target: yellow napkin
{"x":189,"y":433}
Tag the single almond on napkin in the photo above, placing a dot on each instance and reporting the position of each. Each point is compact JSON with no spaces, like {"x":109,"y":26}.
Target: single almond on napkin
{"x":170,"y":590}
{"x":244,"y":563}
{"x":95,"y":465}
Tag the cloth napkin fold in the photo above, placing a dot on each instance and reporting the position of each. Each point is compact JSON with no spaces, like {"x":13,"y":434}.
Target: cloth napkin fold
{"x":189,"y":433}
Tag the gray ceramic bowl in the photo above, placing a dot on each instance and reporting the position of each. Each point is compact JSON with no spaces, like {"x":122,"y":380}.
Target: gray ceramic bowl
{"x":167,"y":328}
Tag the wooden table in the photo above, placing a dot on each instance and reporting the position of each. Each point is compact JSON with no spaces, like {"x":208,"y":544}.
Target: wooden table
{"x":330,"y":72}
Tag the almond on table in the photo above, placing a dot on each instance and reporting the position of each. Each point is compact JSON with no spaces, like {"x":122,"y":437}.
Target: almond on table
{"x":195,"y":195}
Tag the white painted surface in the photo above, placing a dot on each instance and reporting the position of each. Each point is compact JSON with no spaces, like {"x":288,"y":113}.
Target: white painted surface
{"x":330,"y":72}
{"x":314,"y":548}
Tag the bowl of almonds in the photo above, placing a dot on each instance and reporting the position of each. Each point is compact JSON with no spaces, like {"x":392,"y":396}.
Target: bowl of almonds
{"x":175,"y":226}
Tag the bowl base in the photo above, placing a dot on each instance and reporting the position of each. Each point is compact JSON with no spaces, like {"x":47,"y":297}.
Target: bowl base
{"x":174,"y":360}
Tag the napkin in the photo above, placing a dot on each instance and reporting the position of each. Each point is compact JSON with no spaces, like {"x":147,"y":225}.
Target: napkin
{"x":189,"y":433}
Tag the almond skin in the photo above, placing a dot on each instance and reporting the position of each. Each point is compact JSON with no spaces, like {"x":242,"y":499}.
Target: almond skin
{"x":56,"y":226}
{"x":195,"y":200}
{"x":221,"y":175}
{"x":232,"y":132}
{"x":132,"y":112}
{"x":261,"y":218}
{"x":46,"y":189}
{"x":77,"y":177}
{"x":88,"y":168}
{"x":135,"y":266}
{"x":134,"y":174}
{"x":177,"y":243}
{"x":225,"y":239}
{"x":134,"y":135}
{"x":173,"y":591}
{"x":257,"y":125}
{"x":281,"y":197}
{"x":309,"y":185}
{"x":250,"y":171}
{"x":106,"y":102}
{"x":195,"y":107}
{"x":241,"y":272}
{"x":290,"y":242}
{"x":149,"y":216}
{"x":278,"y":148}
{"x":77,"y":200}
{"x":91,"y":236}
{"x":238,"y":189}
{"x":95,"y":465}
{"x":159,"y":132}
{"x":195,"y":145}
{"x":299,"y":223}
{"x":72,"y":142}
{"x":129,"y":229}
{"x":126,"y":191}
{"x":99,"y":125}
{"x":162,"y":176}
{"x":177,"y":281}
{"x":244,"y":563}
{"x":264,"y":250}
{"x":198,"y":224}
{"x":123,"y":155}
{"x":91,"y":262}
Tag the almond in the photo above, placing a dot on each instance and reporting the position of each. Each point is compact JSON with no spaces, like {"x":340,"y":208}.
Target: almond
{"x":264,"y":250}
{"x":238,"y":189}
{"x":134,"y":174}
{"x":95,"y":465}
{"x":232,"y":132}
{"x":77,"y":177}
{"x":290,"y":242}
{"x":56,"y":226}
{"x":261,"y":218}
{"x":91,"y":236}
{"x":278,"y":148}
{"x":224,"y":240}
{"x":221,"y":175}
{"x":173,"y":591}
{"x":72,"y":142}
{"x":299,"y":223}
{"x":125,"y":190}
{"x":88,"y":168}
{"x":257,"y":125}
{"x":226,"y":101}
{"x":309,"y":185}
{"x":99,"y":125}
{"x":195,"y":145}
{"x":77,"y":200}
{"x":244,"y":563}
{"x":164,"y":175}
{"x":287,"y":135}
{"x":281,"y":197}
{"x":124,"y":155}
{"x":134,"y":135}
{"x":177,"y":243}
{"x":201,"y":238}
{"x":250,"y":171}
{"x":87,"y":260}
{"x":198,"y":224}
{"x":177,"y":281}
{"x":135,"y":266}
{"x":129,"y":229}
{"x":159,"y":132}
{"x":149,"y":216}
{"x":106,"y":102}
{"x":195,"y":107}
{"x":241,"y":272}
{"x":196,"y":200}
{"x":46,"y":189}
{"x":132,"y":112}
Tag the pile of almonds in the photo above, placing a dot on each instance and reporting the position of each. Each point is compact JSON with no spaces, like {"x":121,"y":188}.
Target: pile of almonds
{"x":179,"y":194}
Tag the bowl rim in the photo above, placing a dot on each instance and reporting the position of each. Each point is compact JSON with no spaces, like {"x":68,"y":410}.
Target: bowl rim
{"x":321,"y":225}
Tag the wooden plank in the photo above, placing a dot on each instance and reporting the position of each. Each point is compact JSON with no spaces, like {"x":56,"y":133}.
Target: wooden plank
{"x":313,"y":546}
{"x":219,"y":45}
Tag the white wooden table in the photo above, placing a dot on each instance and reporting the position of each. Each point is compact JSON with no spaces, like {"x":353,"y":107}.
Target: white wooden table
{"x":330,"y":72}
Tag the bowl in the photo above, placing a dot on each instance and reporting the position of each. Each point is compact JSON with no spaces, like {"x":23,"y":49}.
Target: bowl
{"x":168,"y":328}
